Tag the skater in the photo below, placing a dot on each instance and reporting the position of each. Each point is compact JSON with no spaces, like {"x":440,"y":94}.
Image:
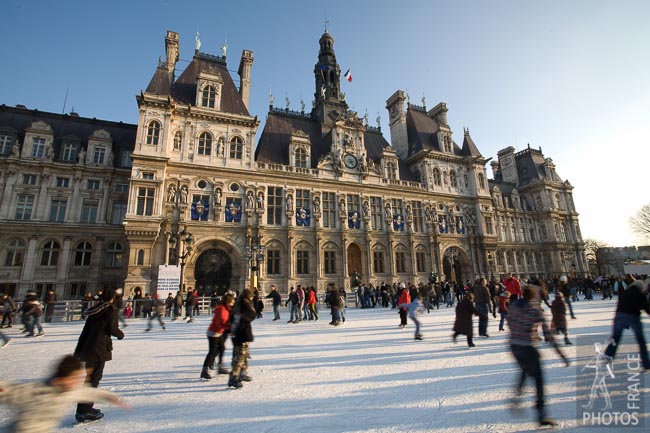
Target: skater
{"x":504,"y":299}
{"x":34,"y":311}
{"x":189,"y":306}
{"x":40,"y":406}
{"x":178,"y":305}
{"x":217,"y":335}
{"x":242,"y":334}
{"x":415,"y":308}
{"x":95,"y":347}
{"x":482,"y":304}
{"x":50,"y":301}
{"x":403,"y":298}
{"x":563,"y":287}
{"x":158,"y":312}
{"x":277,"y":301}
{"x":336,"y":304}
{"x":293,"y":300}
{"x":463,"y":324}
{"x":558,"y":309}
{"x":524,"y":317}
{"x":311,"y":301}
{"x":8,"y":308}
{"x":631,"y":301}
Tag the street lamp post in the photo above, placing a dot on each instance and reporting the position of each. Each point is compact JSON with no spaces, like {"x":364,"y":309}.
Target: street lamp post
{"x":184,"y":241}
{"x":255,"y":254}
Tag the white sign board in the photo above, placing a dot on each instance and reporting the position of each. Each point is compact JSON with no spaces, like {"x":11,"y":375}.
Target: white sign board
{"x":169,"y":278}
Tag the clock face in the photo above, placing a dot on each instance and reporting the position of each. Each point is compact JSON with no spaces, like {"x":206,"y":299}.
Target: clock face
{"x":350,"y":161}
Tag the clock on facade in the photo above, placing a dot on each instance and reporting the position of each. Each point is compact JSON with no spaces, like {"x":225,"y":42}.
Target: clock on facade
{"x":350,"y":160}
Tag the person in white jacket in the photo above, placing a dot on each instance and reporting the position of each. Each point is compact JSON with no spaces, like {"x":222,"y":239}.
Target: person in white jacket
{"x":415,"y":308}
{"x":40,"y":406}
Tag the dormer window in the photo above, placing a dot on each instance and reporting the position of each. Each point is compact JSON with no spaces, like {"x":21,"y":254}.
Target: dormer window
{"x":153,"y":133}
{"x":236,"y":148}
{"x":208,"y":96}
{"x":69,"y":152}
{"x":301,"y":158}
{"x":6,"y":142}
{"x":452,"y":179}
{"x":205,"y":143}
{"x":38,"y":147}
{"x":391,"y":171}
{"x":447,"y":143}
{"x":437,"y":177}
{"x":99,"y":155}
{"x":481,"y":181}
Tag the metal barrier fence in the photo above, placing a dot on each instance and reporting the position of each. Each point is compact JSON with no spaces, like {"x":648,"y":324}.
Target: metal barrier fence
{"x":71,"y":310}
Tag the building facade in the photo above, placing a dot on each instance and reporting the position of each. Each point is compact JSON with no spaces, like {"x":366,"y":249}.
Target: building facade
{"x":322,"y":197}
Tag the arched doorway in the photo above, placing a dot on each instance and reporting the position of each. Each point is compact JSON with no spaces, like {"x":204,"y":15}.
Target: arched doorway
{"x":213,"y":271}
{"x":354,"y":263}
{"x":455,"y":265}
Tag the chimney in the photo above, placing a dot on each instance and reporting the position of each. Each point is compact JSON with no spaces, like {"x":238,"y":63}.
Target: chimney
{"x":495,"y":169}
{"x":244,"y":71}
{"x":171,"y":50}
{"x":397,"y":123}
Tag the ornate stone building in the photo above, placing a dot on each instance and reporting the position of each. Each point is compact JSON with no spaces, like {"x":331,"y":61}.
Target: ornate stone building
{"x":323,"y":194}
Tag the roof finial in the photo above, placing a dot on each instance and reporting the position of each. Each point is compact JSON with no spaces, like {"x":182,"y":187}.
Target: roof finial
{"x":287,"y":101}
{"x":424,"y":102}
{"x":326,"y":23}
{"x":271,"y":98}
{"x":365,"y":118}
{"x":378,"y":121}
{"x":197,"y":45}
{"x":224,"y":47}
{"x":302,"y":104}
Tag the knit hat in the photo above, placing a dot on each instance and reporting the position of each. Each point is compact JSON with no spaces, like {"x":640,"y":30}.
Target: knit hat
{"x":564,"y":279}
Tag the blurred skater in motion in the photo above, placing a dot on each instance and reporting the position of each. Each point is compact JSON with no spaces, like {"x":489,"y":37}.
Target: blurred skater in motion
{"x":524,"y":316}
{"x":40,"y":406}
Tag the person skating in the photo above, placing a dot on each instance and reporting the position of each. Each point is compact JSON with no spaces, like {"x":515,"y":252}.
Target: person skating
{"x":558,"y":309}
{"x":524,"y":317}
{"x":8,"y":308}
{"x":463,"y":324}
{"x":242,"y":334}
{"x":311,"y":301}
{"x":158,"y":312}
{"x":482,"y":304}
{"x":34,"y":310}
{"x":504,"y":300}
{"x":415,"y":308}
{"x":277,"y":300}
{"x":217,"y":335}
{"x":95,"y":347}
{"x":40,"y":406}
{"x":403,"y":298}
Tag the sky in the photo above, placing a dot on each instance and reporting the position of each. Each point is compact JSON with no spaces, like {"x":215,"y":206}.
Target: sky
{"x":570,"y":77}
{"x":365,"y":376}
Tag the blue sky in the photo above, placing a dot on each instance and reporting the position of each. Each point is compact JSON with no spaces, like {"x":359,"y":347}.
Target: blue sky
{"x":571,"y":77}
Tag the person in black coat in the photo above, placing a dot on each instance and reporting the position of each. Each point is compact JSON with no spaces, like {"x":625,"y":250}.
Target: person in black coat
{"x":95,"y":347}
{"x":242,"y":333}
{"x":463,"y":324}
{"x":277,"y":301}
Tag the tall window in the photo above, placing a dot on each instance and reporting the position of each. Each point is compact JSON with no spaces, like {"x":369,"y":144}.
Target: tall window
{"x":89,"y":212}
{"x":375,"y":210}
{"x":15,"y":253}
{"x":272,"y":262}
{"x":466,"y":181}
{"x":50,"y":254}
{"x":400,"y":262}
{"x":301,"y":158}
{"x":488,"y":225}
{"x":481,"y":181}
{"x":396,"y":204}
{"x":274,"y":205}
{"x":208,"y":97}
{"x":145,"y":201}
{"x":329,"y":209}
{"x":140,"y":258}
{"x":417,"y":216}
{"x":153,"y":133}
{"x":69,"y":152}
{"x":419,"y":261}
{"x":329,"y":262}
{"x":118,"y":212}
{"x":57,"y":210}
{"x":302,"y":198}
{"x":447,"y":143}
{"x":563,"y":234}
{"x":94,"y":184}
{"x":38,"y":148}
{"x":302,"y":262}
{"x":437,"y":178}
{"x":378,"y":261}
{"x":113,"y":255}
{"x":236,"y":148}
{"x":6,"y":142}
{"x":82,"y":254}
{"x":452,"y":179}
{"x":99,"y":155}
{"x":391,"y":171}
{"x":125,"y":159}
{"x":24,"y":207}
{"x":205,"y":143}
{"x":121,"y":187}
{"x":62,"y":182}
{"x":29,"y":179}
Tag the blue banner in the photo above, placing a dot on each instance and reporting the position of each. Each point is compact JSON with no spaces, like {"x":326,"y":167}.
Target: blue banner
{"x":200,"y":210}
{"x":460,"y":225}
{"x":303,"y":217}
{"x":442,"y":224}
{"x":233,"y":212}
{"x":354,"y":220}
{"x":398,"y":223}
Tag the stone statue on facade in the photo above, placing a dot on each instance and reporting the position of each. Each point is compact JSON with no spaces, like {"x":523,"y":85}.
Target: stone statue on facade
{"x":289,"y":202}
{"x":184,"y":194}
{"x":171,"y":193}
{"x":217,"y":196}
{"x":260,"y":200}
{"x":82,"y":157}
{"x":317,"y":204}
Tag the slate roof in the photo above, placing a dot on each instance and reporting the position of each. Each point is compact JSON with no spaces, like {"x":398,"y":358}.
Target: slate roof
{"x":68,"y":127}
{"x":422,"y":133}
{"x":183,"y":90}
{"x":530,"y":167}
{"x":469,"y":148}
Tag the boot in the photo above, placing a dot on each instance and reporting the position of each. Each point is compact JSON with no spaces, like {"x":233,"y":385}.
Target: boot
{"x":205,"y":374}
{"x":234,"y":383}
{"x":243,"y":377}
{"x":567,"y":341}
{"x":223,"y":370}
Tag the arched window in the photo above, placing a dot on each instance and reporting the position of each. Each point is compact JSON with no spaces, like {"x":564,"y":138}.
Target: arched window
{"x":452,"y":179}
{"x":82,"y":254}
{"x":50,"y":254}
{"x":15,"y":253}
{"x":153,"y":133}
{"x":481,"y":181}
{"x":113,"y":255}
{"x":437,"y":178}
{"x":301,"y":158}
{"x":208,"y":97}
{"x":140,"y":258}
{"x":236,"y":147}
{"x":391,"y":171}
{"x":205,"y":143}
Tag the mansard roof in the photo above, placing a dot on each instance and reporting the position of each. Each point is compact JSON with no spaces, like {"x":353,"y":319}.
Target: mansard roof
{"x":422,"y":132}
{"x":184,"y":89}
{"x":68,"y":127}
{"x":530,"y":167}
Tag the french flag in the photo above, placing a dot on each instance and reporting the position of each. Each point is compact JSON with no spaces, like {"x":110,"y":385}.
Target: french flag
{"x":348,"y":76}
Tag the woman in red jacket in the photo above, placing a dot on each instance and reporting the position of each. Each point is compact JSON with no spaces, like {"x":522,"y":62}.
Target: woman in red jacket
{"x":404,"y":297}
{"x":217,"y":335}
